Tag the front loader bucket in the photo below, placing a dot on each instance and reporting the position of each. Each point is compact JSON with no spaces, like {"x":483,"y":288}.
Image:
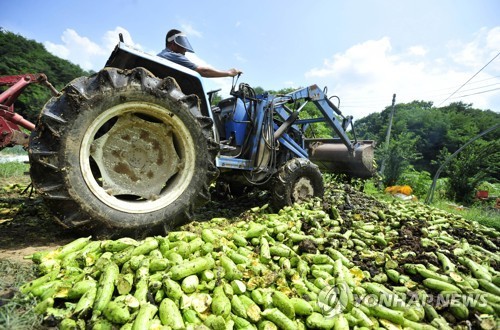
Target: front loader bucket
{"x":334,"y":157}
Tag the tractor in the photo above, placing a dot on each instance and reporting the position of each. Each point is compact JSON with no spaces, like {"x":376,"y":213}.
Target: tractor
{"x":135,"y":148}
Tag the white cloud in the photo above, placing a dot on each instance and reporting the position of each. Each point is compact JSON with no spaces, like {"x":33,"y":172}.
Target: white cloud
{"x":493,"y":38}
{"x":417,"y":50}
{"x":240,"y":58}
{"x":214,"y":83}
{"x":58,"y":50}
{"x":111,"y":38}
{"x":359,"y":60}
{"x":77,"y":49}
{"x":189,"y":30}
{"x":366,"y":75}
{"x":86,"y":53}
{"x":193,"y":57}
{"x":92,"y":56}
{"x":477,"y":52}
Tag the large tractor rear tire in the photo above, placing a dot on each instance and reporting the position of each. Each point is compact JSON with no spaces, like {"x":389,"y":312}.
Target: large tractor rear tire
{"x":297,"y":181}
{"x":123,"y":153}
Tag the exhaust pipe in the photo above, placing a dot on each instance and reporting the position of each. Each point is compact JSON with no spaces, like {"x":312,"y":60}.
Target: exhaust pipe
{"x":334,"y":157}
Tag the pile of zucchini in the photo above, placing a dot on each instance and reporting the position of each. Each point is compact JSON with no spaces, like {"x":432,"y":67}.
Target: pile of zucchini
{"x":343,"y":262}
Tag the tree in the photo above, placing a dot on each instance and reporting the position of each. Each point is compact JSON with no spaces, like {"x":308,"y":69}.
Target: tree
{"x":437,"y":128}
{"x":398,"y":156}
{"x":419,"y":181}
{"x":477,"y":163}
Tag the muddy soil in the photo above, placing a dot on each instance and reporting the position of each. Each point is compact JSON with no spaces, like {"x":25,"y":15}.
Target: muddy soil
{"x":27,"y":226}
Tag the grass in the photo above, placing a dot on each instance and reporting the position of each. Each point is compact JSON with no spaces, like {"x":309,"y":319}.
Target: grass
{"x":16,"y":310}
{"x":482,"y":212}
{"x":13,"y":169}
{"x":16,"y":150}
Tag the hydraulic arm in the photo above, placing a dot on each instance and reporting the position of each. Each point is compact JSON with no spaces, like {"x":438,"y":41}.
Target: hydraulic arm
{"x":328,"y":109}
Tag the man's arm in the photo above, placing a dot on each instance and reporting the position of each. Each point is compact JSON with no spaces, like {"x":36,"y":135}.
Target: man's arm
{"x":208,"y":72}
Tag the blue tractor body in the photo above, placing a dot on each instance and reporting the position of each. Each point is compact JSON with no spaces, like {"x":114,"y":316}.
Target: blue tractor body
{"x":263,"y":136}
{"x":135,"y":148}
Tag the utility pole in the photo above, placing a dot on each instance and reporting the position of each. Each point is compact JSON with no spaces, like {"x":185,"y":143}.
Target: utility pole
{"x":388,"y":135}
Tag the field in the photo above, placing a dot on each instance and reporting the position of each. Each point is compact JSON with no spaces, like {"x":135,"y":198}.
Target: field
{"x":26,"y":226}
{"x":483,"y":212}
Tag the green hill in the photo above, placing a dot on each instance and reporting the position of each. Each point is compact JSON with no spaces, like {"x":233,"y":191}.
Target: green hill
{"x":19,"y":56}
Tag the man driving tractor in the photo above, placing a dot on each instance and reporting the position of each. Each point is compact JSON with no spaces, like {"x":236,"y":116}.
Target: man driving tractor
{"x":176,"y":46}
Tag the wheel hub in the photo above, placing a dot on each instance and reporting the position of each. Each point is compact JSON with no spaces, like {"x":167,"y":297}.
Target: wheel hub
{"x":302,"y":190}
{"x":131,"y":157}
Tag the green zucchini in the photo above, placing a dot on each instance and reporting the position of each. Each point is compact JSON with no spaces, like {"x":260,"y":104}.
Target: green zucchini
{"x":318,"y":321}
{"x":237,"y":307}
{"x":41,"y":307}
{"x":144,"y":316}
{"x":148,"y":245}
{"x":105,"y":287}
{"x":191,"y":267}
{"x":28,"y":287}
{"x":283,"y":303}
{"x":231,"y":271}
{"x":281,"y":320}
{"x":119,"y":244}
{"x":170,"y":314}
{"x":73,"y":246}
{"x":489,"y":286}
{"x":191,"y":317}
{"x":383,"y":312}
{"x":116,"y":312}
{"x":301,"y":307}
{"x":79,"y":288}
{"x":221,"y":305}
{"x":252,"y":309}
{"x":172,"y":289}
{"x":440,"y":286}
{"x":85,"y":303}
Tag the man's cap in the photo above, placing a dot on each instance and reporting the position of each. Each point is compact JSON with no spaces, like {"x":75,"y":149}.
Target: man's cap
{"x":181,"y":40}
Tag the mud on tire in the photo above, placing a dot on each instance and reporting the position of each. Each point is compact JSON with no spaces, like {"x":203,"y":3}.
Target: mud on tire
{"x":296,"y":181}
{"x":123,"y":152}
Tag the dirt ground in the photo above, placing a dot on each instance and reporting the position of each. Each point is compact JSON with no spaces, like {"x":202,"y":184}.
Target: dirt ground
{"x":26,"y":225}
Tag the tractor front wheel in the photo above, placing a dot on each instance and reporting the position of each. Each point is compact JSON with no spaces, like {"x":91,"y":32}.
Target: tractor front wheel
{"x":298,"y":180}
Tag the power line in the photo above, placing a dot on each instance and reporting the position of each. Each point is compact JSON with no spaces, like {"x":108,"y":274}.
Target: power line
{"x":469,"y":89}
{"x":371,"y":102}
{"x":481,"y":92}
{"x":471,"y":83}
{"x":351,"y":102}
{"x":470,"y":78}
{"x":484,"y":86}
{"x":435,"y":96}
{"x":368,"y":106}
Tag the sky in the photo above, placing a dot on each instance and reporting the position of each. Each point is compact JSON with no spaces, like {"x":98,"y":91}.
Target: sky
{"x":362,"y":51}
